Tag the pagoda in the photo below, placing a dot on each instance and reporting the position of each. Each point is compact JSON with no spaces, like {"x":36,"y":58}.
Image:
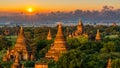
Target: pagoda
{"x":20,"y":47}
{"x":97,"y":38}
{"x":59,"y":46}
{"x":49,"y":37}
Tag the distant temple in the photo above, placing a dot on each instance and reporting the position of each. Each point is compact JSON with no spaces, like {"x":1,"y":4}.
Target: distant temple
{"x":58,"y":47}
{"x":109,"y":64}
{"x":49,"y":37}
{"x":78,"y":32}
{"x":20,"y":47}
{"x":114,"y":24}
{"x":98,"y":37}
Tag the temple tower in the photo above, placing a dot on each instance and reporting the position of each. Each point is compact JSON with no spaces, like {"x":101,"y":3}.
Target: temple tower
{"x":49,"y":37}
{"x":109,"y":64}
{"x":97,"y":38}
{"x":59,"y":45}
{"x":80,"y":27}
{"x":20,"y":47}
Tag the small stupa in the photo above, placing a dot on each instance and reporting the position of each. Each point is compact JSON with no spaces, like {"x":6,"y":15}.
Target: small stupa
{"x":98,"y":37}
{"x":49,"y":37}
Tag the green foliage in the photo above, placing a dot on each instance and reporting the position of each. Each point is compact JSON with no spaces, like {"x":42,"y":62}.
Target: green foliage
{"x":52,"y":64}
{"x":71,"y":59}
{"x":73,"y":43}
{"x":82,"y":39}
{"x":2,"y":52}
{"x":116,"y":63}
{"x":6,"y":64}
{"x":4,"y":42}
{"x":109,"y":47}
{"x":29,"y":63}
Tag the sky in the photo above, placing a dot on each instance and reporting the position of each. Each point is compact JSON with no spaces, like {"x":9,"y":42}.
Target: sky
{"x":56,"y":5}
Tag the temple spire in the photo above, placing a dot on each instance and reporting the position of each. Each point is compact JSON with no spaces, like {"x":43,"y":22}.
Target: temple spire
{"x":59,"y":35}
{"x":98,"y":36}
{"x":80,"y":27}
{"x":59,"y":46}
{"x":109,"y":64}
{"x":49,"y":37}
{"x":80,"y":22}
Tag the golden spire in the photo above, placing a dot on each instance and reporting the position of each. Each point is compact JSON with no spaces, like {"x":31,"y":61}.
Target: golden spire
{"x":98,"y":35}
{"x":59,"y":36}
{"x":109,"y":64}
{"x":80,"y":26}
{"x":20,"y":43}
{"x":21,"y":35}
{"x":49,"y":37}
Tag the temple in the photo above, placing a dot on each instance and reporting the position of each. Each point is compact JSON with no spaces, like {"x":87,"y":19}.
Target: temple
{"x":49,"y":37}
{"x":59,"y":46}
{"x":78,"y":32}
{"x":109,"y":64}
{"x":20,"y":47}
{"x":97,"y":38}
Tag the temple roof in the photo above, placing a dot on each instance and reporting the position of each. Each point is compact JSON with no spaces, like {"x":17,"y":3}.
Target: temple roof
{"x":59,"y":35}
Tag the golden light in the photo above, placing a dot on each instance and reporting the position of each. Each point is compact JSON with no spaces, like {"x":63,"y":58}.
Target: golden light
{"x":30,"y":10}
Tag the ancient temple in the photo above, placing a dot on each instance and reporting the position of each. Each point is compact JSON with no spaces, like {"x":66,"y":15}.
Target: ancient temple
{"x":78,"y":32}
{"x":49,"y":37}
{"x":79,"y":27}
{"x":109,"y":64}
{"x":97,"y":38}
{"x":59,"y":45}
{"x":20,"y":47}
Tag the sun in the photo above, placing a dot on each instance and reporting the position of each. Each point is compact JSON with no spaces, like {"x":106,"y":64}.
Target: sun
{"x":30,"y":10}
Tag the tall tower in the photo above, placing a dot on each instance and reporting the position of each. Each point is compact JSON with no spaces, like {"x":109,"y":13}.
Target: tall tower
{"x":49,"y":37}
{"x":109,"y":64}
{"x":97,"y":38}
{"x":80,"y":27}
{"x":59,"y":45}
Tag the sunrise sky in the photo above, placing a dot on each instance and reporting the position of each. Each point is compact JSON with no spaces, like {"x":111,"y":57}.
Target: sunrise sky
{"x":54,"y":5}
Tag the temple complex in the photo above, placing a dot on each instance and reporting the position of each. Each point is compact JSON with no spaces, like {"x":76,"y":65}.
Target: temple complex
{"x":109,"y":64}
{"x":97,"y":38}
{"x":49,"y":37}
{"x":58,"y":47}
{"x":20,"y":47}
